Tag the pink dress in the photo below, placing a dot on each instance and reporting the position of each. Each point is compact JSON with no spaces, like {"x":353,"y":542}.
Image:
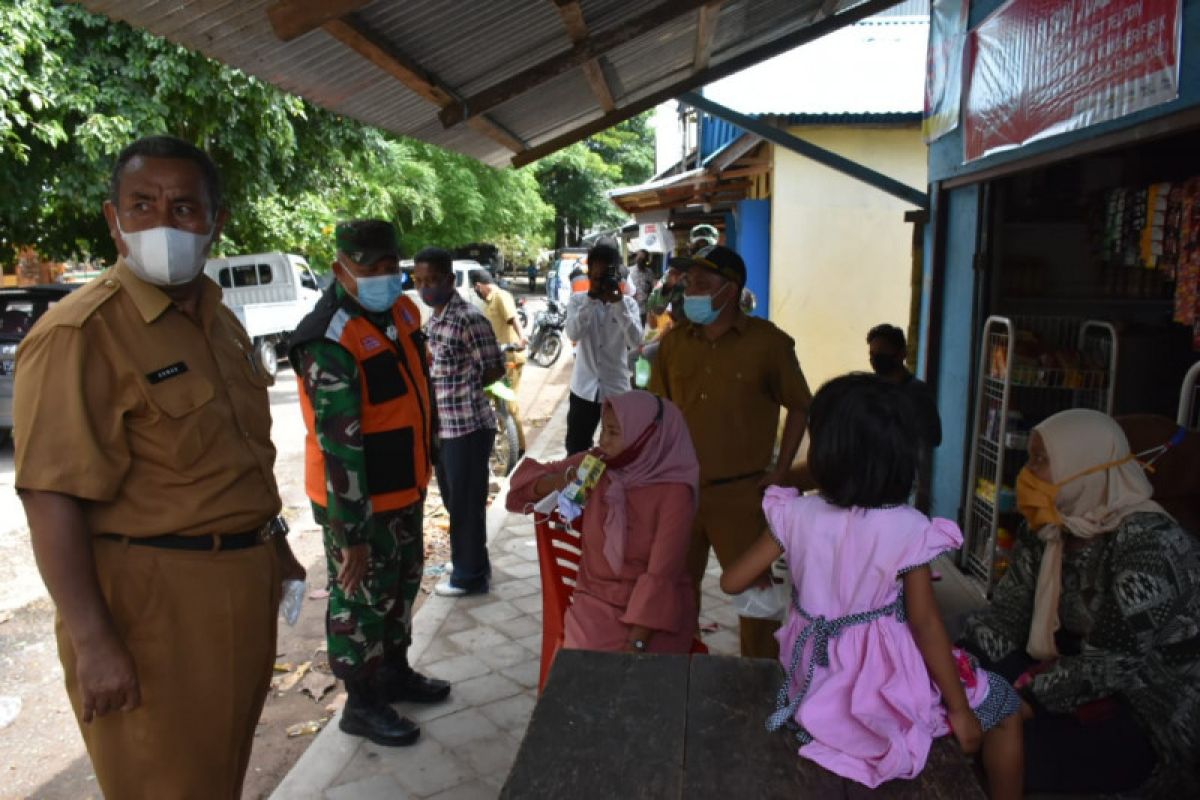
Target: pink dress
{"x":652,"y":588}
{"x":870,"y":712}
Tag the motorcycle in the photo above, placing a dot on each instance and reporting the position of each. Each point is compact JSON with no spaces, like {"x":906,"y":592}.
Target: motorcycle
{"x":506,"y":449}
{"x":521,"y":315}
{"x":545,"y":342}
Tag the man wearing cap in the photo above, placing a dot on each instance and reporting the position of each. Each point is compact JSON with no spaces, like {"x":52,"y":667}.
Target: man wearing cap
{"x":360,"y":361}
{"x":465,"y":360}
{"x":731,"y":374}
{"x":606,"y":324}
{"x":144,"y":461}
{"x":501,"y":311}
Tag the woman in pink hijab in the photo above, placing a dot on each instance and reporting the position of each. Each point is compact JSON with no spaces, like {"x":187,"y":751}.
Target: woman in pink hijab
{"x":633,"y":592}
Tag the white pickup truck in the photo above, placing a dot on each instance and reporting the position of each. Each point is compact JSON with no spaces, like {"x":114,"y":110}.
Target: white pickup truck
{"x":270,"y":293}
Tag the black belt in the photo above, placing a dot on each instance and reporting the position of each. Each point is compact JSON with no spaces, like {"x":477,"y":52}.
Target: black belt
{"x":722,"y":481}
{"x":211,"y":542}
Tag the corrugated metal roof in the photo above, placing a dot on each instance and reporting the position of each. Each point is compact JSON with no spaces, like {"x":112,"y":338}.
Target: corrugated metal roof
{"x":467,"y":46}
{"x":881,"y":118}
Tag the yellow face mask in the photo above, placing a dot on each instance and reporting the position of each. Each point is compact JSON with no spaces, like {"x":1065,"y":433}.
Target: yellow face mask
{"x":1035,"y":500}
{"x":1036,"y":497}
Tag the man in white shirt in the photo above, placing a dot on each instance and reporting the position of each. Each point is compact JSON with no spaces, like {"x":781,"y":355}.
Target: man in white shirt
{"x":606,"y":325}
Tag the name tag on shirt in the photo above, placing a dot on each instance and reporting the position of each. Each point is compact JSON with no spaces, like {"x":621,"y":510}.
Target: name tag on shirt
{"x":170,"y":371}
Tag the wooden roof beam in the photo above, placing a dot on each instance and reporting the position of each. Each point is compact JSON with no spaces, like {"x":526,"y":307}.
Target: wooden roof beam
{"x":291,"y":19}
{"x":593,"y":70}
{"x":706,"y":29}
{"x":726,"y":68}
{"x":586,"y":50}
{"x":361,"y":40}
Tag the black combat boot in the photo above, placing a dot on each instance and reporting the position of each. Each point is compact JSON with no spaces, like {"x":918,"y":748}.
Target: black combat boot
{"x":397,"y":682}
{"x":366,"y":714}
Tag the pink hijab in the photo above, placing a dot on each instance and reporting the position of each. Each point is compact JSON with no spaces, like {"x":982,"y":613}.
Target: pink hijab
{"x":666,"y":457}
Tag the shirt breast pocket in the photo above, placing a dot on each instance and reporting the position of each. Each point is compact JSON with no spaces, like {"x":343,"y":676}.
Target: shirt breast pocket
{"x":179,"y":427}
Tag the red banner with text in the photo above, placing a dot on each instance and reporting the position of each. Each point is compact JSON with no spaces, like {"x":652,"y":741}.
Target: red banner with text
{"x":1043,"y":67}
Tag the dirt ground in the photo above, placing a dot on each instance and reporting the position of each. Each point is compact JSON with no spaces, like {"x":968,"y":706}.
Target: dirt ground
{"x":41,"y":753}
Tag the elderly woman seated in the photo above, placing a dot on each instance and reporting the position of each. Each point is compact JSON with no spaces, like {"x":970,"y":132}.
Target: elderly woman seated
{"x":633,"y":591}
{"x":1097,"y":620}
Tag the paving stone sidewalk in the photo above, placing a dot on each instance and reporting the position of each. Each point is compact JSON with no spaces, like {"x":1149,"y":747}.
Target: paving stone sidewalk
{"x":489,"y":647}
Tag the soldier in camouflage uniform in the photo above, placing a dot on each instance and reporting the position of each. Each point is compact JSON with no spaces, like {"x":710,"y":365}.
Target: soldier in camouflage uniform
{"x":360,"y":360}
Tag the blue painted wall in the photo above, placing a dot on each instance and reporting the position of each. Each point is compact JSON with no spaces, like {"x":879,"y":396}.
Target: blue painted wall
{"x":715,"y":133}
{"x":954,"y":365}
{"x":748,"y":230}
{"x":946,"y":154}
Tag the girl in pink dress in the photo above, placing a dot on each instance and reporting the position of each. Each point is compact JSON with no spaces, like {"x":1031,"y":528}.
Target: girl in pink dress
{"x":633,"y":591}
{"x":871,"y":675}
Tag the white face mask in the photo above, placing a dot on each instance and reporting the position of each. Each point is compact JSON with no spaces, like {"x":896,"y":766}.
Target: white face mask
{"x":166,"y":256}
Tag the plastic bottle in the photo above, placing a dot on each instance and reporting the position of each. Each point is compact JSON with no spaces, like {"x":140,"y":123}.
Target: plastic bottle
{"x":641,"y":372}
{"x":293,"y":596}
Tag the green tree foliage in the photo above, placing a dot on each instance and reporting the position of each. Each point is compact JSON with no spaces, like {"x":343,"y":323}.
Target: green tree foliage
{"x":574,"y":180}
{"x":76,"y":87}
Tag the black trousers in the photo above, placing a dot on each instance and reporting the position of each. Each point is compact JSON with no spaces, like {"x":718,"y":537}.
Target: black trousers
{"x":462,"y":475}
{"x":583,"y":417}
{"x":1068,"y":755}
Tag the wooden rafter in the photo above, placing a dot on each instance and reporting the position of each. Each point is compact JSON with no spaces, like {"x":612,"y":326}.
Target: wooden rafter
{"x":359,"y":39}
{"x":593,"y":70}
{"x":583,"y":51}
{"x":352,"y":33}
{"x":726,"y":68}
{"x":706,"y":29}
{"x":294,"y":18}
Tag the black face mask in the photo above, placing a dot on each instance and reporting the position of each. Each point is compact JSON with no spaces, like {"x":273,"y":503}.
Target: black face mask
{"x":885,"y":363}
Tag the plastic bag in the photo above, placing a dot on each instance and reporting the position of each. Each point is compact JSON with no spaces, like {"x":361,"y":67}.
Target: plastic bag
{"x":770,"y":602}
{"x":293,"y":596}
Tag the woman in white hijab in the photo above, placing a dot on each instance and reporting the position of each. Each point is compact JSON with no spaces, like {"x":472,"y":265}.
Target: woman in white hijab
{"x":1098,"y":619}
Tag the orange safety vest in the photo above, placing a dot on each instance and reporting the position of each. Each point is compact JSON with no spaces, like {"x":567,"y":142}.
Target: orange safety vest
{"x":396,"y":417}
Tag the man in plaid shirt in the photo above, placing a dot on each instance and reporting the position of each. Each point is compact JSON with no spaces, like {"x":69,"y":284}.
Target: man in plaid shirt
{"x":465,"y":358}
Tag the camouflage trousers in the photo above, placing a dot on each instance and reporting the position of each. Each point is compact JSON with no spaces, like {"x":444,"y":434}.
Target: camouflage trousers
{"x":373,"y":625}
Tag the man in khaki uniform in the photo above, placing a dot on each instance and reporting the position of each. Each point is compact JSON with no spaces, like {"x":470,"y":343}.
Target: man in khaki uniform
{"x":731,"y":374}
{"x":501,"y":311}
{"x":144,"y":461}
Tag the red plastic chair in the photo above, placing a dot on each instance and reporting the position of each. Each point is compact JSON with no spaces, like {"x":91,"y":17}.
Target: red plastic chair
{"x":559,"y":552}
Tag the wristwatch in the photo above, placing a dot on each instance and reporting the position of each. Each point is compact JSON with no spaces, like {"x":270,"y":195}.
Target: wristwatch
{"x":638,"y":645}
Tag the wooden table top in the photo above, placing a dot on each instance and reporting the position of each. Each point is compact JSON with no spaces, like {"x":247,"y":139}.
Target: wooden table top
{"x":616,"y":725}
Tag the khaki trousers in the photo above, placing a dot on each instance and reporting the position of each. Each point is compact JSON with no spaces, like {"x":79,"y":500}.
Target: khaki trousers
{"x":201,"y":629}
{"x":514,"y":380}
{"x":729,"y":520}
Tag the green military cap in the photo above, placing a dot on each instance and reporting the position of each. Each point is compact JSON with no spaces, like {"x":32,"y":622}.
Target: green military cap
{"x":367,"y":240}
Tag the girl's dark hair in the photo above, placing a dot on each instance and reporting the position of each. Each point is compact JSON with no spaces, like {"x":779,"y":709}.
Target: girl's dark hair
{"x":863,"y":446}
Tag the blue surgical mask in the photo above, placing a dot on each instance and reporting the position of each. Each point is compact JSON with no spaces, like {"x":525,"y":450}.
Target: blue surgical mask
{"x":380,"y":292}
{"x":699,"y":308}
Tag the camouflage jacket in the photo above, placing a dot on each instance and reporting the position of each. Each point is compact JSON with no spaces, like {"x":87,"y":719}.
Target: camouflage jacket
{"x":331,"y":381}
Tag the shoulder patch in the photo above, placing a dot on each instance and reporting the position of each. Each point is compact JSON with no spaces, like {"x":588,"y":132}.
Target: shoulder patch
{"x":76,"y":308}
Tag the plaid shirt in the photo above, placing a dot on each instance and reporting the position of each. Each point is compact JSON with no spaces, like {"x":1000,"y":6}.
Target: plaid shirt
{"x":463,"y":348}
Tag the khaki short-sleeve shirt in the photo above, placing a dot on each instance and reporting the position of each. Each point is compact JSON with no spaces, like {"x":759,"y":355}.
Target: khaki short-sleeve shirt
{"x":730,"y":391}
{"x":159,"y":423}
{"x":499,"y":309}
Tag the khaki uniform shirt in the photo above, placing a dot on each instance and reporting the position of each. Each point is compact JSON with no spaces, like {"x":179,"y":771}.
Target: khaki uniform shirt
{"x":730,"y":392}
{"x":499,"y":308}
{"x":161,"y":423}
